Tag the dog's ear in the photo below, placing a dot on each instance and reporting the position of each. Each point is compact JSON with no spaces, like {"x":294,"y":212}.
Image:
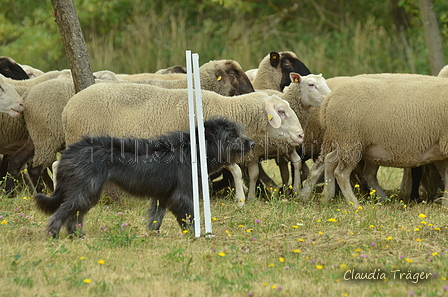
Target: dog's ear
{"x":210,"y":130}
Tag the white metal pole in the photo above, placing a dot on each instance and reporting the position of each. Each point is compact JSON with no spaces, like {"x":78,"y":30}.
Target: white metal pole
{"x":194,"y":163}
{"x":202,"y":149}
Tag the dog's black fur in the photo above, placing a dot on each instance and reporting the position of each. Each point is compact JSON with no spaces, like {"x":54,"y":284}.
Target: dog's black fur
{"x":158,"y":168}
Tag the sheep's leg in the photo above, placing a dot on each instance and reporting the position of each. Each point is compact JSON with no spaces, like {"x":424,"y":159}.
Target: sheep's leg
{"x":370,"y":175}
{"x":54,"y":168}
{"x":431,"y":181}
{"x":238,"y":180}
{"x":253,"y":177}
{"x":330,"y":181}
{"x":405,"y":186}
{"x":441,"y":167}
{"x":342,"y":174}
{"x":283,"y":165}
{"x":443,"y":170}
{"x":47,"y":180}
{"x":296,"y":162}
{"x":311,"y":181}
{"x":263,"y":177}
{"x":17,"y":161}
{"x":4,"y":166}
{"x":305,"y":170}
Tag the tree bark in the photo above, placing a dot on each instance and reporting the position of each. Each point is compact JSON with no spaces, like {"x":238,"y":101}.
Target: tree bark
{"x":74,"y":44}
{"x":432,"y":34}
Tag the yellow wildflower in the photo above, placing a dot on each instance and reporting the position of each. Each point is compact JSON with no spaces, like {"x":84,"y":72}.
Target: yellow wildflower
{"x":319,"y":267}
{"x":101,"y":262}
{"x":222,"y":254}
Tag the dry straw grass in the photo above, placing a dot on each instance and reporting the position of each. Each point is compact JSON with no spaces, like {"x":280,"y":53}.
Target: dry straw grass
{"x":270,"y":247}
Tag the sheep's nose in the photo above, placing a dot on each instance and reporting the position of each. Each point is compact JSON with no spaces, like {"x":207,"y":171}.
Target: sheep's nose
{"x":301,"y":136}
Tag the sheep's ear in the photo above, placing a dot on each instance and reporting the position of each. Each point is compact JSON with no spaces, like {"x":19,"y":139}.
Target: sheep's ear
{"x":295,"y":77}
{"x":275,"y":59}
{"x":221,"y":76}
{"x":273,"y":117}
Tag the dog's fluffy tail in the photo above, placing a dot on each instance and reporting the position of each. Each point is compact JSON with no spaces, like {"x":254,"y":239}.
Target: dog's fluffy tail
{"x":49,"y":204}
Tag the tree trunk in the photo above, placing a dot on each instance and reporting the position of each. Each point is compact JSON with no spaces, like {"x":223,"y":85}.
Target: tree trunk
{"x":432,"y":34}
{"x":74,"y":44}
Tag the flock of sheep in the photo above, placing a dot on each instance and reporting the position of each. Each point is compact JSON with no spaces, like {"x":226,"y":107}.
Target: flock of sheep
{"x":364,"y":122}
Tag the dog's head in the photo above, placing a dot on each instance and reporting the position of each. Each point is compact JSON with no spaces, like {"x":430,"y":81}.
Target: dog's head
{"x":226,"y":142}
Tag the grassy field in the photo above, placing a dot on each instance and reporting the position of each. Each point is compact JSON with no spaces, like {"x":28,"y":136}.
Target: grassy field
{"x":270,"y":247}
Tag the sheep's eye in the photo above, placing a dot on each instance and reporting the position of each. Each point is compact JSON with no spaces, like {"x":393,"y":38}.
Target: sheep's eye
{"x":311,"y":85}
{"x":281,"y":111}
{"x":231,"y":73}
{"x":286,"y":62}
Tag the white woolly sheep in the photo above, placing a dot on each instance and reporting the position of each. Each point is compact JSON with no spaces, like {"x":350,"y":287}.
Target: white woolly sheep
{"x":13,"y":133}
{"x":314,"y":138}
{"x":273,"y":71}
{"x":251,"y":73}
{"x":45,"y":128}
{"x":31,"y":71}
{"x":224,"y":77}
{"x":443,"y":72}
{"x":143,"y":111}
{"x":302,"y":94}
{"x":394,"y":122}
{"x":172,"y":69}
{"x":22,"y":85}
{"x":43,"y":116}
{"x":10,"y":101}
{"x":104,"y":74}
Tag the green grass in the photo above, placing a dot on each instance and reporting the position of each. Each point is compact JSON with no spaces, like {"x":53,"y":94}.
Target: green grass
{"x":270,"y":247}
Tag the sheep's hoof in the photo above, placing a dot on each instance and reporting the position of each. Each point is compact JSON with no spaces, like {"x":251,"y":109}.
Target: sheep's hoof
{"x":240,"y":202}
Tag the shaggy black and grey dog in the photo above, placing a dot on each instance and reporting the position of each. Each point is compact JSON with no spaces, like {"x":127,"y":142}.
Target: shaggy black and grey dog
{"x":158,"y":168}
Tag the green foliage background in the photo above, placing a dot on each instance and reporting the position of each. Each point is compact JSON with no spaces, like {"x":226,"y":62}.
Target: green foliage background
{"x":331,"y":37}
